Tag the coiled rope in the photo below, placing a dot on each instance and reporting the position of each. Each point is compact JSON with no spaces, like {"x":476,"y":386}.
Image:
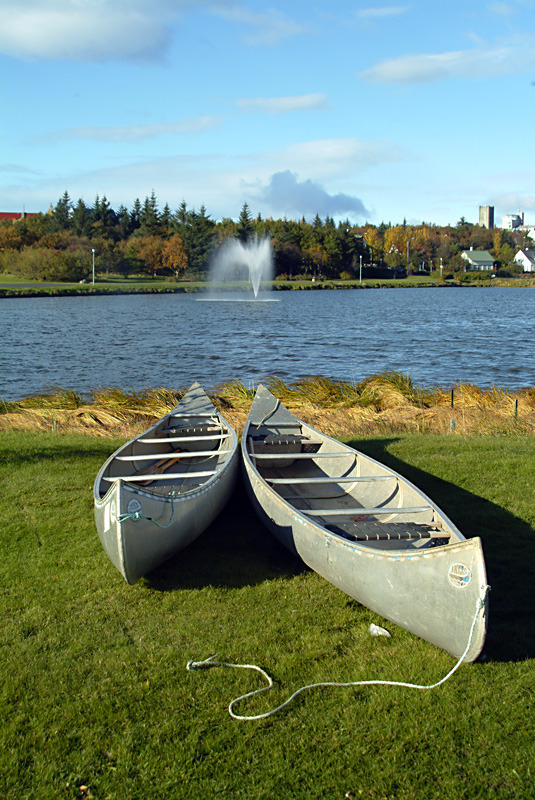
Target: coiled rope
{"x":209,"y":662}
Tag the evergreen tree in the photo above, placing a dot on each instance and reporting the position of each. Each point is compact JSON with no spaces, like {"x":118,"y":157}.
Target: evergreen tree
{"x":166,"y":218}
{"x":181,"y":214}
{"x":150,"y":217}
{"x":135,"y":216}
{"x":123,"y":222}
{"x":198,"y":239}
{"x":62,"y":212}
{"x":81,"y":219}
{"x":245,"y":227}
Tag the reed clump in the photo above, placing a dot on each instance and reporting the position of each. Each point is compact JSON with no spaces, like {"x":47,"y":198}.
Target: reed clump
{"x":389,"y":402}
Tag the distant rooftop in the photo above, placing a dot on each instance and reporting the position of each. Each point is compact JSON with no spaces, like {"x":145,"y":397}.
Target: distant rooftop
{"x":13,"y":215}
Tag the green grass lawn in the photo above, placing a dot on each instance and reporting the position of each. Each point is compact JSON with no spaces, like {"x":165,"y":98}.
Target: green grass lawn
{"x":96,"y":700}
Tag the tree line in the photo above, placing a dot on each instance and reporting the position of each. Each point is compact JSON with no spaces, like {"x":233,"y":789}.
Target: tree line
{"x":63,"y":243}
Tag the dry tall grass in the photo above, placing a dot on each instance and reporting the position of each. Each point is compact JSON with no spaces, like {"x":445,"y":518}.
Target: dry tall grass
{"x":385,"y":404}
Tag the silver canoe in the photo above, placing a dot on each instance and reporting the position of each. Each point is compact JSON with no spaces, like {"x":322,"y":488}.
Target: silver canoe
{"x":160,"y":491}
{"x":365,"y":528}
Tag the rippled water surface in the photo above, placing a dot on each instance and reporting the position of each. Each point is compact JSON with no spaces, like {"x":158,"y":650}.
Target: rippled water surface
{"x":437,"y":336}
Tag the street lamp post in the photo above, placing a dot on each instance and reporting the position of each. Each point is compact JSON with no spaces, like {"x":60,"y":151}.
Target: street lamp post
{"x":93,"y":251}
{"x":360,"y":270}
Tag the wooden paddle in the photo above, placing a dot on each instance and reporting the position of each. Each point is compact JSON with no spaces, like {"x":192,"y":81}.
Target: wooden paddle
{"x":159,"y":467}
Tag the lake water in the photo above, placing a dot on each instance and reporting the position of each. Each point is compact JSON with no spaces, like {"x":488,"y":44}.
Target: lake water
{"x":437,"y":336}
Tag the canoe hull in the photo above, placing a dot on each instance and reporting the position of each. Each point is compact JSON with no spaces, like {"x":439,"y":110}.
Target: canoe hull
{"x":437,"y":592}
{"x":140,"y":527}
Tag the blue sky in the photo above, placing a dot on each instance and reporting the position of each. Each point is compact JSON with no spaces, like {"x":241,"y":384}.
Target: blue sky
{"x":372,"y":111}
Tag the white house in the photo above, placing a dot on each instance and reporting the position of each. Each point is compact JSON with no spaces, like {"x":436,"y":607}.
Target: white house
{"x":526,"y":259}
{"x":478,"y":260}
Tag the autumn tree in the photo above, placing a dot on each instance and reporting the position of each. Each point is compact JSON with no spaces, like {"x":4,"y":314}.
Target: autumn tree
{"x":10,"y":238}
{"x":174,"y":255}
{"x":148,"y":252}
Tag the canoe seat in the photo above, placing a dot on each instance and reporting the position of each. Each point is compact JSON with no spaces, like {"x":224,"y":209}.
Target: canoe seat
{"x":369,"y":531}
{"x":191,"y":430}
{"x":284,"y":439}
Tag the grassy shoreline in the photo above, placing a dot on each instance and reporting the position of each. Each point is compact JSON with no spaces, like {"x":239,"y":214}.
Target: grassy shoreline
{"x":386,"y":403}
{"x":11,"y":287}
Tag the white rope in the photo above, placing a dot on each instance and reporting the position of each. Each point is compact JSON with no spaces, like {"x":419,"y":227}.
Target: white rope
{"x":209,"y":662}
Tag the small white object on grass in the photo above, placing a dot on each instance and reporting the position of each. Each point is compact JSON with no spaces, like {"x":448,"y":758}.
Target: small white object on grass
{"x":376,"y":630}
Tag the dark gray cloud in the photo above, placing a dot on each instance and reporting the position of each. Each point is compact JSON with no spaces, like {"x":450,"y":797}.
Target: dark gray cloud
{"x":286,"y":194}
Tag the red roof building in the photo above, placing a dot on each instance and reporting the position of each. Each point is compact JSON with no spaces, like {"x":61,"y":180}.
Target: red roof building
{"x":14,"y":215}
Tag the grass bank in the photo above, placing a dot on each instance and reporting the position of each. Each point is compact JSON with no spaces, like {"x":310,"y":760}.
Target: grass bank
{"x":96,"y":700}
{"x":386,"y":403}
{"x":11,"y":287}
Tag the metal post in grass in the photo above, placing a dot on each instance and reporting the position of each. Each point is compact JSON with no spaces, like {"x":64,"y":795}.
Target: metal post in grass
{"x":452,"y":396}
{"x":93,"y":251}
{"x":516,"y":408}
{"x":452,"y":426}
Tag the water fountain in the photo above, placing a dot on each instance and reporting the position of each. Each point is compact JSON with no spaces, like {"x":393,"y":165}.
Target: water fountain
{"x":253,"y":258}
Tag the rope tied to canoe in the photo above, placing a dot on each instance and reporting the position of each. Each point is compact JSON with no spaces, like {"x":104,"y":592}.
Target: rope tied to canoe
{"x":137,"y":515}
{"x":209,"y":662}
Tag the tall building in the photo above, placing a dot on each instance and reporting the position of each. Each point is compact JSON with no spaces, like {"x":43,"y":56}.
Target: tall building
{"x":513,"y":221}
{"x":486,"y":216}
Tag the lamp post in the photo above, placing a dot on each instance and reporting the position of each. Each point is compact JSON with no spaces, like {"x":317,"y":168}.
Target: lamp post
{"x":360,"y":269}
{"x":93,"y":251}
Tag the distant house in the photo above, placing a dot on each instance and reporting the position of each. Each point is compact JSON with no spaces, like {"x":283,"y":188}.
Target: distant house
{"x":478,"y":260}
{"x":13,"y":215}
{"x":526,"y":259}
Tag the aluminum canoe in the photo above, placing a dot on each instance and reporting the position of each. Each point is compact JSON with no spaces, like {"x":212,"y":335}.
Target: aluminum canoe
{"x":366,"y":529}
{"x":160,"y":491}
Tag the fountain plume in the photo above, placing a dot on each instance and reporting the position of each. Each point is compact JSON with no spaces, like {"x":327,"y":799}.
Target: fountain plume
{"x":254,"y":255}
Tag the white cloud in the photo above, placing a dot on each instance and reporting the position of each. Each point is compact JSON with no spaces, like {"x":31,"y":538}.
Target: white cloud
{"x":222,"y":182}
{"x":282,"y":105}
{"x":512,"y":202}
{"x":481,"y":62}
{"x":285,"y":193}
{"x":87,"y":31}
{"x":268,"y":29}
{"x":130,"y":133}
{"x":380,"y":12}
{"x":327,"y":158}
{"x":120,"y":30}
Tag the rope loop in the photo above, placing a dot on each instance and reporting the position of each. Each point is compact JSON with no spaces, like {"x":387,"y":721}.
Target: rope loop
{"x":209,"y":662}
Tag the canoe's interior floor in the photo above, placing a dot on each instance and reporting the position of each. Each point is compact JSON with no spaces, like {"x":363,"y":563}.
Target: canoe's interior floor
{"x":303,"y":472}
{"x":176,"y":459}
